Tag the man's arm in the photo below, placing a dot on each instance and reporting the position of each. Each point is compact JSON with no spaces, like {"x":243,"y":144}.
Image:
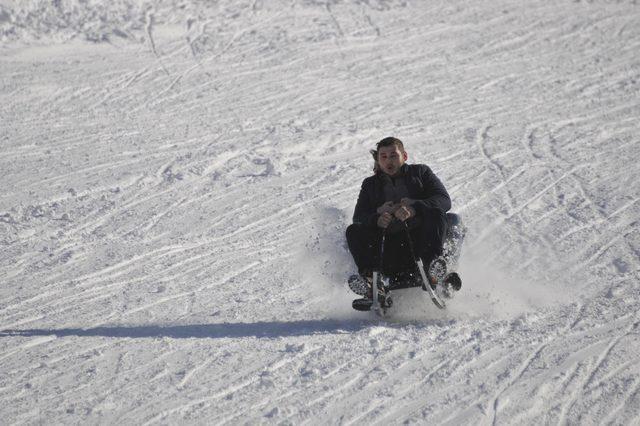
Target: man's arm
{"x":365,"y":212}
{"x":434,"y":195}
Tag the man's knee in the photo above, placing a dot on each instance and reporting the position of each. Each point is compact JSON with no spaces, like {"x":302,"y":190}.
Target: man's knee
{"x":358,"y":233}
{"x":434,"y":220}
{"x":352,"y":230}
{"x":431,"y":215}
{"x":355,"y":234}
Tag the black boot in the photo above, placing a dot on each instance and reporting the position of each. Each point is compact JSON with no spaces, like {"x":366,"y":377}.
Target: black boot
{"x":360,"y":283}
{"x":454,"y":280}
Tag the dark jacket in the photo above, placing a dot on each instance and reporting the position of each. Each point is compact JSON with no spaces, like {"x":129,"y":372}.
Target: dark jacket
{"x":423,"y":186}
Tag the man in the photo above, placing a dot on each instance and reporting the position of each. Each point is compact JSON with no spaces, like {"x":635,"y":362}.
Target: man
{"x":396,"y":194}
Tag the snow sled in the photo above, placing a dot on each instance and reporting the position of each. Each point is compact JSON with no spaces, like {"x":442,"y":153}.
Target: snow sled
{"x":439,"y":279}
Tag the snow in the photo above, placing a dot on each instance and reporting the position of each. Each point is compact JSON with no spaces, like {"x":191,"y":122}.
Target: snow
{"x":177,"y":178}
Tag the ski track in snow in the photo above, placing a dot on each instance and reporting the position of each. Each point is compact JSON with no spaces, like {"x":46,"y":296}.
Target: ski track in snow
{"x":177,"y":179}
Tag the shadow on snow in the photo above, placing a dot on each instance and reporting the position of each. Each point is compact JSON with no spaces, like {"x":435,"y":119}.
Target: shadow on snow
{"x":211,"y":331}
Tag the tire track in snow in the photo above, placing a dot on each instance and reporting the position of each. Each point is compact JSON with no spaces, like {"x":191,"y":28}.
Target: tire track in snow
{"x":204,"y":402}
{"x":180,"y":295}
{"x":98,"y":292}
{"x":149,"y":19}
{"x":348,"y":383}
{"x":602,"y":357}
{"x":153,"y":221}
{"x":614,"y":416}
{"x":114,"y":271}
{"x":336,"y":24}
{"x":602,"y":221}
{"x":406,"y":411}
{"x":225,"y":48}
{"x":517,"y":210}
{"x":524,"y":366}
{"x":124,"y":83}
{"x":28,"y":345}
{"x":367,"y":17}
{"x":111,"y":271}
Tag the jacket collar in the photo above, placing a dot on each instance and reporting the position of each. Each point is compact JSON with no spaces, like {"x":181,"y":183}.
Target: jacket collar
{"x":404,"y":171}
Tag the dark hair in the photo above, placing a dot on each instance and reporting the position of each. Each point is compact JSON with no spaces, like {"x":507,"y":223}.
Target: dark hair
{"x":374,"y":154}
{"x":390,"y":141}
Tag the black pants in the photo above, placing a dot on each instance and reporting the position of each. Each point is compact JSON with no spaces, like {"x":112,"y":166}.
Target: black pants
{"x":427,"y":237}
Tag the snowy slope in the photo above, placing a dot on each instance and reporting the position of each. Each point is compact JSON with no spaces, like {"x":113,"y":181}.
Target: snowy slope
{"x":177,"y":178}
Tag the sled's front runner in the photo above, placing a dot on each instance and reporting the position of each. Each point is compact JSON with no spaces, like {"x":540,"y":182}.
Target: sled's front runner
{"x":426,"y":286}
{"x":380,"y":303}
{"x":374,"y":292}
{"x":380,"y":298}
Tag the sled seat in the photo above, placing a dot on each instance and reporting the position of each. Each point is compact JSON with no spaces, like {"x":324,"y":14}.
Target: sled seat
{"x":455,"y":227}
{"x":453,"y":219}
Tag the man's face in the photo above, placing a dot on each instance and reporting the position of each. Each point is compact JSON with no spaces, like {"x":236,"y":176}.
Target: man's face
{"x":390,"y":159}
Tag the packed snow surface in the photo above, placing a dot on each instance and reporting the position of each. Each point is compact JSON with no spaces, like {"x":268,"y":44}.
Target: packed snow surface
{"x":177,"y":178}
